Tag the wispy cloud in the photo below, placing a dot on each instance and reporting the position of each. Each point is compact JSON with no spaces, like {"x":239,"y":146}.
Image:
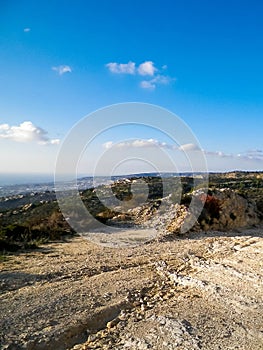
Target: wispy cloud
{"x":26,"y":132}
{"x":249,"y":155}
{"x":189,"y":147}
{"x":253,"y":155}
{"x":26,"y":30}
{"x":150,"y":143}
{"x":256,"y":154}
{"x":121,"y":68}
{"x":147,"y":84}
{"x":62,"y":69}
{"x":152,"y":75}
{"x":157,"y":80}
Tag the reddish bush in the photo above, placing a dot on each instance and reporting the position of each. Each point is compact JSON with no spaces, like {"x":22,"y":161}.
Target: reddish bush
{"x":212,"y":205}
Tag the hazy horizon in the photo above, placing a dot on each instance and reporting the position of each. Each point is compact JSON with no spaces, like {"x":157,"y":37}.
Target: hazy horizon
{"x":13,"y":179}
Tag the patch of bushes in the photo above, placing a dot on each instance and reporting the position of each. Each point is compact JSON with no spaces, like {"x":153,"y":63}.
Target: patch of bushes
{"x":28,"y":230}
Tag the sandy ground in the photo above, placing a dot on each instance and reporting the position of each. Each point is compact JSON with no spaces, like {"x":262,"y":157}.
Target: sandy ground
{"x":203,"y":291}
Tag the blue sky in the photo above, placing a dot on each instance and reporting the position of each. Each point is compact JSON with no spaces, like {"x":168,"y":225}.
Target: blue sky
{"x":61,"y":60}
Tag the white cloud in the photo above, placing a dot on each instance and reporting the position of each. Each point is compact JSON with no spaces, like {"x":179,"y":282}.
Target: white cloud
{"x":152,"y":75}
{"x":121,"y":68}
{"x":147,"y":68}
{"x":52,"y":142}
{"x":26,"y":30}
{"x":253,"y":155}
{"x":26,"y":132}
{"x":158,"y":79}
{"x":189,"y":147}
{"x":146,"y":84}
{"x":108,"y":144}
{"x":146,"y":143}
{"x":162,"y":79}
{"x":62,"y":69}
{"x":4,"y":127}
{"x":256,"y":154}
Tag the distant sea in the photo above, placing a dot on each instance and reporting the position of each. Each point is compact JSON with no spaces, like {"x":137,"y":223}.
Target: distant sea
{"x":18,"y":179}
{"x":14,"y":184}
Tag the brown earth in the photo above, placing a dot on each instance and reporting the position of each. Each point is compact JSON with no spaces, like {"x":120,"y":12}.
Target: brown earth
{"x":201,"y":291}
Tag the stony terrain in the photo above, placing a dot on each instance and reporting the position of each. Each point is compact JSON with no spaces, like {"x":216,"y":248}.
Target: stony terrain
{"x":203,"y":291}
{"x":151,"y":285}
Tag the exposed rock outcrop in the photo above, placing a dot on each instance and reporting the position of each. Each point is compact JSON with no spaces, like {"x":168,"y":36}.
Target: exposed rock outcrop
{"x":222,"y":210}
{"x":225,"y":210}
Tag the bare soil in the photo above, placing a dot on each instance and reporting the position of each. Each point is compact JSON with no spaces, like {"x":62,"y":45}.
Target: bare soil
{"x":202,"y":291}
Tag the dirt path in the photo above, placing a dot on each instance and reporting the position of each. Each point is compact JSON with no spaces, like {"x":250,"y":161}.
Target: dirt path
{"x":203,"y":291}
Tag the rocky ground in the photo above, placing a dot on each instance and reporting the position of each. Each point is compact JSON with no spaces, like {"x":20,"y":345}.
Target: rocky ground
{"x":201,"y":291}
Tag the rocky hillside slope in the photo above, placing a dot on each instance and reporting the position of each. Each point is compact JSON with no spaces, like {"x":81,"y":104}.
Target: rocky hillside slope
{"x":164,"y":287}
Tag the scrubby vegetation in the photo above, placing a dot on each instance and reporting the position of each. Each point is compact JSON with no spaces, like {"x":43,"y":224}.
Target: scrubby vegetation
{"x":33,"y":223}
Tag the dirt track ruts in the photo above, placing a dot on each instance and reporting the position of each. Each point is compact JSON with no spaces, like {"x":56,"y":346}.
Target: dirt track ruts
{"x":201,"y":291}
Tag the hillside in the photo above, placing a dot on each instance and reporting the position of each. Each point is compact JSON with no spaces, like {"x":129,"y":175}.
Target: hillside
{"x":200,"y":289}
{"x":27,"y":220}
